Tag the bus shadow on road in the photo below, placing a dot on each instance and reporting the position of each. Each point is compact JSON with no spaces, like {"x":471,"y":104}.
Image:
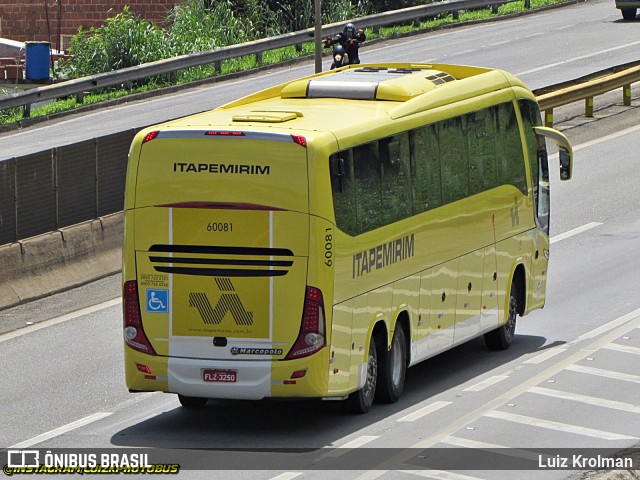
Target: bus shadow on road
{"x":312,"y":424}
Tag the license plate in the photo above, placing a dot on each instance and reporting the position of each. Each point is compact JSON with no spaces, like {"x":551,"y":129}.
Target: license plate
{"x":223,"y":376}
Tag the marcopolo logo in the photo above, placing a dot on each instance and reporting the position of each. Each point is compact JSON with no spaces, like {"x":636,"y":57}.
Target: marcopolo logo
{"x":256,"y":351}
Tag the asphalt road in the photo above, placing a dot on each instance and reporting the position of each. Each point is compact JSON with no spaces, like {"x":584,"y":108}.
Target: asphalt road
{"x":570,"y":379}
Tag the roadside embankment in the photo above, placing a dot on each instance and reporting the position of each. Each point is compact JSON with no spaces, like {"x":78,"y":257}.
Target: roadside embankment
{"x":60,"y":260}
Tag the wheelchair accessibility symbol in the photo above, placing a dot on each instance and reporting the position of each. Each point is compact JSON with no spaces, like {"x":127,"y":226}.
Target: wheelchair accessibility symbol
{"x":158,"y":301}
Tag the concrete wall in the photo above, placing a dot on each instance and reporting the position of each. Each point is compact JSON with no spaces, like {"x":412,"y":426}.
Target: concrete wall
{"x":60,"y":260}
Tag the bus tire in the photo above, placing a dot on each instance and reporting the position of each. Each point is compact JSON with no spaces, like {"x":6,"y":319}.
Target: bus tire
{"x":501,"y":337}
{"x":629,"y":13}
{"x":192,"y":402}
{"x":361,"y":400}
{"x":392,"y":368}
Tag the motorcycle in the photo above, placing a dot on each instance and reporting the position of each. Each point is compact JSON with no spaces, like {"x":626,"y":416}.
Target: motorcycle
{"x":339,"y":53}
{"x":340,"y":57}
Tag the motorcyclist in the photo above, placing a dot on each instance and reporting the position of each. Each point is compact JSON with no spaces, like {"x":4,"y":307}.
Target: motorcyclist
{"x":349,"y":38}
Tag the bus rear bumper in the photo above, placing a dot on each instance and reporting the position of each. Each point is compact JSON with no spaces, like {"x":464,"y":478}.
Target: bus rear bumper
{"x":252,"y":379}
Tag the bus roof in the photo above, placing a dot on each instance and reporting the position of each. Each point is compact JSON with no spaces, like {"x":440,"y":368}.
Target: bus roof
{"x":352,"y":95}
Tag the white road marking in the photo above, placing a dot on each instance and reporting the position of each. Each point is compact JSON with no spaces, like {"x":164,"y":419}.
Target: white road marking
{"x":439,"y":475}
{"x":54,"y":321}
{"x":468,"y":443}
{"x":287,"y":476}
{"x":606,"y":138}
{"x":486,"y":383}
{"x":342,"y":449}
{"x":610,"y":326}
{"x":558,"y":426}
{"x":626,"y":377}
{"x":550,"y":353}
{"x":512,"y":452}
{"x":432,"y":407}
{"x":358,"y":442}
{"x":60,"y":430}
{"x":575,"y":231}
{"x":576,"y":397}
{"x":575,"y":59}
{"x":622,"y":348}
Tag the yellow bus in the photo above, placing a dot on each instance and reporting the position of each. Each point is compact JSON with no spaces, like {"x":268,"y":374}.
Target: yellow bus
{"x":317,"y":238}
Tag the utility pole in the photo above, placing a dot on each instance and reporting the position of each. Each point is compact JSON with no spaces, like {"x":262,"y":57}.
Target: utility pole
{"x":318,"y":35}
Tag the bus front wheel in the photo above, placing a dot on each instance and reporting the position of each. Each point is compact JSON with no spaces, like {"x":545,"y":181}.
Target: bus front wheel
{"x":361,"y":401}
{"x":501,"y":337}
{"x":392,"y":368}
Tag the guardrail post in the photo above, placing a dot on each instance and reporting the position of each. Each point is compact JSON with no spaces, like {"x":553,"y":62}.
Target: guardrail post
{"x":527,"y":4}
{"x":548,"y":117}
{"x":588,"y":107}
{"x":494,"y":9}
{"x":96,"y":178}
{"x":26,"y":111}
{"x":626,"y":95}
{"x":456,"y":14}
{"x":298,"y":47}
{"x":259,"y":58}
{"x":173,"y":77}
{"x":56,"y":185}
{"x":217,"y":65}
{"x":79,"y":97}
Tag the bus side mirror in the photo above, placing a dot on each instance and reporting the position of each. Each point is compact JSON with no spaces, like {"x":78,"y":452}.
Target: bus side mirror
{"x":565,"y":164}
{"x":564,"y":147}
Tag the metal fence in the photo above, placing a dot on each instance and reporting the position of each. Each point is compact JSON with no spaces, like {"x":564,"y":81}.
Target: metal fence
{"x":56,"y":188}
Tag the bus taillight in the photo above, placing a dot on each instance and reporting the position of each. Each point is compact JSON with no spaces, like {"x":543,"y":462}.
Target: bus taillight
{"x":312,"y":331}
{"x":134,"y":335}
{"x":150,"y":136}
{"x":300,"y":140}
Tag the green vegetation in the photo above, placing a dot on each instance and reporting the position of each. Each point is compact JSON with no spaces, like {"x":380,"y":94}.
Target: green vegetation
{"x":127,"y":40}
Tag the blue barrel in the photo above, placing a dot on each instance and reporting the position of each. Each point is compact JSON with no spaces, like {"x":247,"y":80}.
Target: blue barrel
{"x":38,"y":60}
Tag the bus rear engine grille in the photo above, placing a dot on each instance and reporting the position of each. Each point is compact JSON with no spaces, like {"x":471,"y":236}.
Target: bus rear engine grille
{"x":217,"y":261}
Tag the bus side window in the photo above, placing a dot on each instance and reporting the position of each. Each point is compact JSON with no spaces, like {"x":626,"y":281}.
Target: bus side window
{"x":509,"y":154}
{"x":396,"y":178}
{"x":538,"y":161}
{"x":367,"y":176}
{"x":341,"y":165}
{"x":455,"y":163}
{"x":481,"y":129}
{"x":425,"y":168}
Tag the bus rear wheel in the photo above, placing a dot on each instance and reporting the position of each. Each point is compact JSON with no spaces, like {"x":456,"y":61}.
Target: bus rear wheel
{"x":361,"y":401}
{"x":501,"y":337}
{"x":192,"y":402}
{"x":392,"y":368}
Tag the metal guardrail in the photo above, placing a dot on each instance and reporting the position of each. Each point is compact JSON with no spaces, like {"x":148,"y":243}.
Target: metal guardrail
{"x":587,"y":87}
{"x":170,"y":66}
